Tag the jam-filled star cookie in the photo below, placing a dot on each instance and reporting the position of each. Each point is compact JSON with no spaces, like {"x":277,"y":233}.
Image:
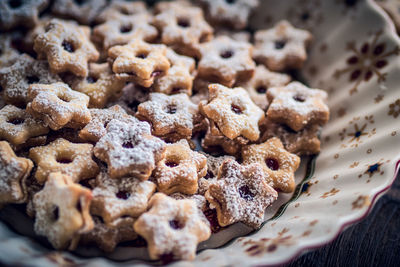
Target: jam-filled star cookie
{"x":13,"y":174}
{"x":233,"y":112}
{"x":74,"y":160}
{"x":180,"y":223}
{"x":121,"y":8}
{"x":180,"y":170}
{"x":282,"y":47}
{"x":297,"y":106}
{"x":84,"y":11}
{"x":277,"y":163}
{"x":241,"y":194}
{"x":62,"y":211}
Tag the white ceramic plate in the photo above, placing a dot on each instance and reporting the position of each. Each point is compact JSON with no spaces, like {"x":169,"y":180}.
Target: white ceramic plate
{"x":355,"y":58}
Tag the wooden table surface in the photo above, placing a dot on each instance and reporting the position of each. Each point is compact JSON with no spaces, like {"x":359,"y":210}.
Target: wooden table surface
{"x":375,"y":241}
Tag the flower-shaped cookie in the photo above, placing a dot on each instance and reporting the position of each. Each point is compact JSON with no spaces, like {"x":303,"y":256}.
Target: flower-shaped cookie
{"x":20,"y":13}
{"x":74,"y":160}
{"x":58,"y":105}
{"x":100,"y":85}
{"x":13,"y":174}
{"x":179,"y":78}
{"x":139,"y":62}
{"x":96,"y":128}
{"x":8,"y":54}
{"x":118,"y":198}
{"x":131,"y":96}
{"x":106,"y":237}
{"x":240,"y":194}
{"x":16,"y":79}
{"x":66,"y":46}
{"x":122,"y":30}
{"x":169,"y":114}
{"x":121,"y":8}
{"x":84,"y":11}
{"x":226,"y":61}
{"x":129,"y":149}
{"x":282,"y":47}
{"x":233,"y":112}
{"x":263,"y":79}
{"x":180,"y":170}
{"x":17,"y":126}
{"x":182,"y":26}
{"x":62,"y":211}
{"x":304,"y":142}
{"x":172,"y":227}
{"x":277,"y":163}
{"x":297,"y":106}
{"x":233,"y":13}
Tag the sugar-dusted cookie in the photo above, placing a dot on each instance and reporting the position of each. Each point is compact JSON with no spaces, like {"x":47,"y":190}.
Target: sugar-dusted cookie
{"x":172,"y":227}
{"x":121,"y":8}
{"x":277,"y":163}
{"x":62,"y":211}
{"x":84,"y":11}
{"x":24,"y":13}
{"x":241,"y":194}
{"x":8,"y":54}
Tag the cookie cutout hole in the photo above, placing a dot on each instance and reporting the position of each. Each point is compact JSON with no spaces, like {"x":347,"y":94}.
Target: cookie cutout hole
{"x":32,"y":79}
{"x":63,"y":160}
{"x":55,"y":213}
{"x":124,"y":11}
{"x":230,"y":1}
{"x":273,"y":164}
{"x":305,"y":16}
{"x":127,"y":144}
{"x":209,"y":175}
{"x":15,"y":3}
{"x":280,"y":44}
{"x":246,"y":193}
{"x":125,"y":28}
{"x":176,"y":224}
{"x":79,"y":206}
{"x":299,"y":98}
{"x":226,"y":54}
{"x":123,"y":195}
{"x":171,"y":109}
{"x":142,"y":55}
{"x":79,"y":2}
{"x":68,"y":46}
{"x":183,"y":22}
{"x":176,"y":90}
{"x":64,"y":98}
{"x":91,"y":79}
{"x":16,"y":121}
{"x":236,"y":109}
{"x":261,"y":89}
{"x":171,"y":164}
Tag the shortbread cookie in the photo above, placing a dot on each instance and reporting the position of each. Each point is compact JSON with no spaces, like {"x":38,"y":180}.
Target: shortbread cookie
{"x":17,"y":126}
{"x":13,"y":174}
{"x":297,"y":106}
{"x":139,"y":62}
{"x":84,"y":11}
{"x":62,"y":211}
{"x":182,"y":26}
{"x":241,"y":194}
{"x":20,"y":13}
{"x":119,"y":198}
{"x":233,"y":112}
{"x":66,"y":46}
{"x":282,"y":47}
{"x":180,"y":170}
{"x":262,"y":80}
{"x":58,"y":105}
{"x":8,"y":54}
{"x":277,"y":163}
{"x":16,"y":79}
{"x":226,"y":61}
{"x":121,"y":8}
{"x":181,"y":226}
{"x":74,"y":160}
{"x":129,"y":149}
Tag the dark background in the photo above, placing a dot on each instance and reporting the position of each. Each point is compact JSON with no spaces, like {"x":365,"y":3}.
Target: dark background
{"x":375,"y":241}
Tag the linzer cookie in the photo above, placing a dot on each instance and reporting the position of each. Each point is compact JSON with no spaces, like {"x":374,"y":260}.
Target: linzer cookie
{"x":226,"y":61}
{"x":240,"y":194}
{"x":282,"y":47}
{"x":182,"y":26}
{"x":277,"y":163}
{"x":20,"y":13}
{"x":139,"y":62}
{"x":66,"y":46}
{"x":121,"y":8}
{"x":172,"y":227}
{"x":62,"y":211}
{"x":297,"y":106}
{"x":84,"y":11}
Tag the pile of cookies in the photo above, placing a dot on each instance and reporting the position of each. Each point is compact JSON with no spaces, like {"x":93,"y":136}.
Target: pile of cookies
{"x":120,"y":121}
